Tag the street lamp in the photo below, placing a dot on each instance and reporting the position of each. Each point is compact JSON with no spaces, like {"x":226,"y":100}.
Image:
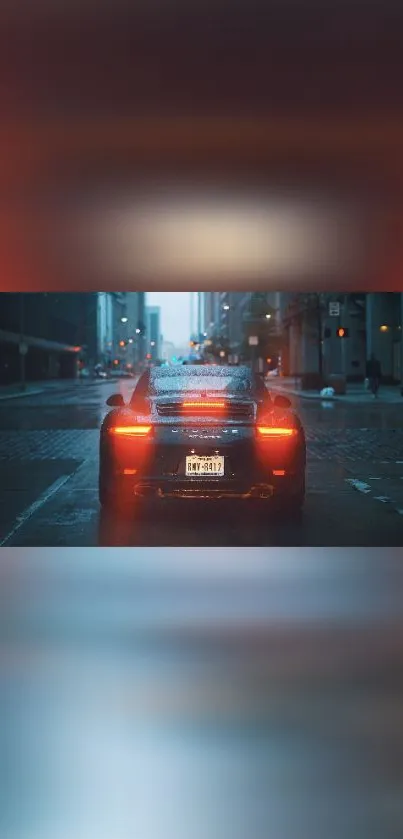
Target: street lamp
{"x":268,"y":316}
{"x":226,"y":307}
{"x":124,"y":320}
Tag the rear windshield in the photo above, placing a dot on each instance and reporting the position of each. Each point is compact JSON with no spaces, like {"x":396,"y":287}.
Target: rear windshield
{"x":195,"y":383}
{"x":202,"y":379}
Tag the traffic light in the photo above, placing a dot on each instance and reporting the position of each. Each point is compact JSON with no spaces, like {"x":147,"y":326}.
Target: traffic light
{"x":342,"y":332}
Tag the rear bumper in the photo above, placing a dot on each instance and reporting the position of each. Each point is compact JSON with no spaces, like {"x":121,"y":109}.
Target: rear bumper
{"x":186,"y":490}
{"x":144,"y":487}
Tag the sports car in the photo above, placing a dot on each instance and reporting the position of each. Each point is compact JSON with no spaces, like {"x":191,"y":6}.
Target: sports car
{"x":201,"y":432}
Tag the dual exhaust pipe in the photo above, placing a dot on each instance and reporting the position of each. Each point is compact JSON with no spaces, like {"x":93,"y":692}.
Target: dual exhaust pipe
{"x":261,"y":491}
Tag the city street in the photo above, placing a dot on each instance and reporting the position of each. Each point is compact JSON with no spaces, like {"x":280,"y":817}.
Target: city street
{"x":49,"y":473}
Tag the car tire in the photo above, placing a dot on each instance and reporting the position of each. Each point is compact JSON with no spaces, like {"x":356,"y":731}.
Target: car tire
{"x":291,"y":506}
{"x":113,"y":501}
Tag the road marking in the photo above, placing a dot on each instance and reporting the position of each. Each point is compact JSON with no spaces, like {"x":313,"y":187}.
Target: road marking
{"x":359,"y":485}
{"x":35,"y":506}
{"x":382,"y":498}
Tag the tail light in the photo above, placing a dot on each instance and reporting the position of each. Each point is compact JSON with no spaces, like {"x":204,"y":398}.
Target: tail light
{"x":130,"y":430}
{"x":271,"y":432}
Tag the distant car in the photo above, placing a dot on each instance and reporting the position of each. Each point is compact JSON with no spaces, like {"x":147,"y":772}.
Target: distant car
{"x":203,"y":433}
{"x":123,"y":374}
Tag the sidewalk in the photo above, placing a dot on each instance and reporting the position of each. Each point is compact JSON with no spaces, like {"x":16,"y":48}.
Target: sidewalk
{"x":34,"y":388}
{"x":15,"y":391}
{"x":356,"y":393}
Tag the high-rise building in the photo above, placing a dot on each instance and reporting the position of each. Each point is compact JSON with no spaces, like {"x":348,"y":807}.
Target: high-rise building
{"x":153,"y":332}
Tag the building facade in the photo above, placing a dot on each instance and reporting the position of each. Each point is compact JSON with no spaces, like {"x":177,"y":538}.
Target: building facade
{"x":61,"y":333}
{"x":45,"y":336}
{"x":153,"y":333}
{"x":327,"y":334}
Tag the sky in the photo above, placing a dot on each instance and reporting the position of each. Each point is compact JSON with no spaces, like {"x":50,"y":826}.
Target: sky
{"x":175,"y":314}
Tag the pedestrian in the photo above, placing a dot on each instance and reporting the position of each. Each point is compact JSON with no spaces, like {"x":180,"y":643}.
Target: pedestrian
{"x":373,"y":374}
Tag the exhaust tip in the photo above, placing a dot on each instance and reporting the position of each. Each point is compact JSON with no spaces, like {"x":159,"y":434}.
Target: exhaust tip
{"x":144,"y":490}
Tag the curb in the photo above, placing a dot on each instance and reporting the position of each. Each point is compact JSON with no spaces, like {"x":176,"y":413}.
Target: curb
{"x":288,"y":392}
{"x":346,"y":398}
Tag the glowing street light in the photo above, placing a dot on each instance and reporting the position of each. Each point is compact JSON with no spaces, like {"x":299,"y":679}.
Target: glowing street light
{"x":124,"y":320}
{"x":268,"y":316}
{"x":226,"y":307}
{"x":138,"y":331}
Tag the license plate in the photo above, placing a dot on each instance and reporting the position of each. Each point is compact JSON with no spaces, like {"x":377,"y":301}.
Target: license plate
{"x":198,"y":465}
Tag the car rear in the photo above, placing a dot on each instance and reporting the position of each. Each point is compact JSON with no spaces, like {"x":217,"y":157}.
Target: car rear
{"x":209,"y":436}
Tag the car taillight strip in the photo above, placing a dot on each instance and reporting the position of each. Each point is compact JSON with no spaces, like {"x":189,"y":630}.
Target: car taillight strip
{"x":204,"y":405}
{"x":131,"y":430}
{"x":271,"y":431}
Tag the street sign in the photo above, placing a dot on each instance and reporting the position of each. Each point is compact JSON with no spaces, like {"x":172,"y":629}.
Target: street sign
{"x":334,"y":309}
{"x":23,"y":347}
{"x":253,"y":340}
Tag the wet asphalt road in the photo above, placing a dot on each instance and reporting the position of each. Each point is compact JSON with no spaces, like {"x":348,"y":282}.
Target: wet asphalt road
{"x":49,"y":470}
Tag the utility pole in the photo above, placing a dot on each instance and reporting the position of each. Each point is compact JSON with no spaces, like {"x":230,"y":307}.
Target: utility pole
{"x":199,"y":315}
{"x":191,"y":297}
{"x":320,"y":336}
{"x":22,"y":346}
{"x":343,"y":340}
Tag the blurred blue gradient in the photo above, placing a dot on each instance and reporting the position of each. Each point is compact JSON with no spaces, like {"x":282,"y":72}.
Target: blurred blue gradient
{"x":177,"y":693}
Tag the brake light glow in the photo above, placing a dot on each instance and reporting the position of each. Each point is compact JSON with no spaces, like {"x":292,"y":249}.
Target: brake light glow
{"x":272,"y":431}
{"x":131,"y":430}
{"x":204,"y":404}
{"x":279,"y":472}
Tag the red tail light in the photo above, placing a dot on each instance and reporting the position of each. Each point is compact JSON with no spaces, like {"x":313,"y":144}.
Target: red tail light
{"x":269,"y":431}
{"x":130,"y":430}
